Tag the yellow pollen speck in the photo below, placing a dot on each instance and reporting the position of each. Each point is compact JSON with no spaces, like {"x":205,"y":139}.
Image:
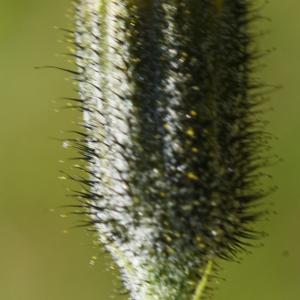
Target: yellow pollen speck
{"x":190,"y":132}
{"x":166,"y":126}
{"x":162,"y":194}
{"x":192,"y":176}
{"x":193,"y":113}
{"x":195,"y":150}
{"x":185,"y":54}
{"x":200,"y":242}
{"x":199,"y":238}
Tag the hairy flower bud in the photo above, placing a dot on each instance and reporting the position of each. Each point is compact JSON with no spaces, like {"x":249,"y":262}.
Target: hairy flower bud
{"x":172,"y":138}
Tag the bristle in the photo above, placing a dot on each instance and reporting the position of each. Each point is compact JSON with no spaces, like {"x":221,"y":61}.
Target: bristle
{"x":172,"y":137}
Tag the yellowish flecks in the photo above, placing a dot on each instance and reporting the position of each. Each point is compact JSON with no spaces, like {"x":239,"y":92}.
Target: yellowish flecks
{"x":185,"y":54}
{"x":193,"y":113}
{"x":136,"y":200}
{"x":192,"y":176}
{"x":190,"y":132}
{"x":195,"y":150}
{"x":199,"y":241}
{"x":196,"y":88}
{"x":136,"y":60}
{"x":168,"y":238}
{"x":65,"y":231}
{"x":162,"y":194}
{"x":63,"y":216}
{"x":166,"y":126}
{"x":200,"y":245}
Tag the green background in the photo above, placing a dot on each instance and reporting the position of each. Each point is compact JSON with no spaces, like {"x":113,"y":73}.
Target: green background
{"x":41,"y":256}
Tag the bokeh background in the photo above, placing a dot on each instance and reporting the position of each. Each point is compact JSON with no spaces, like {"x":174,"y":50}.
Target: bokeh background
{"x":41,"y":256}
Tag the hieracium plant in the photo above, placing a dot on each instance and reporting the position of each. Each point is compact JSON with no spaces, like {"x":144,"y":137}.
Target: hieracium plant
{"x":172,"y":137}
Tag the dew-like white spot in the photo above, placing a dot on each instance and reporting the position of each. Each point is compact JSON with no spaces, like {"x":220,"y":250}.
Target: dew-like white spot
{"x":66,"y":144}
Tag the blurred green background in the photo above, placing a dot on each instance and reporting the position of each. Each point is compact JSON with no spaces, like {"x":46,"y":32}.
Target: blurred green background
{"x":41,"y":258}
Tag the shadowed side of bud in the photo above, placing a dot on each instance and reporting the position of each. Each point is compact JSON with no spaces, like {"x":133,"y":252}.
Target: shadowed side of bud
{"x":171,"y":139}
